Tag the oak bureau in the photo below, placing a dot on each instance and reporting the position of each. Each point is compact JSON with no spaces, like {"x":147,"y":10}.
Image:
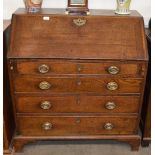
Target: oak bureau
{"x":77,"y":77}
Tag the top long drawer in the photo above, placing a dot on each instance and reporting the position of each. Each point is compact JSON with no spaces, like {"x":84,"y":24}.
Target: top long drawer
{"x":47,"y":67}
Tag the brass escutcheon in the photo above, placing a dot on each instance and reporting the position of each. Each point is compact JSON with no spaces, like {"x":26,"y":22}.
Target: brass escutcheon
{"x":79,"y":82}
{"x":78,"y":120}
{"x":79,"y":68}
{"x":78,"y":100}
{"x":79,"y":22}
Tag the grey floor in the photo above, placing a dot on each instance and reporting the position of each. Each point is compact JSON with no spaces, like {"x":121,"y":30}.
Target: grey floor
{"x":81,"y":148}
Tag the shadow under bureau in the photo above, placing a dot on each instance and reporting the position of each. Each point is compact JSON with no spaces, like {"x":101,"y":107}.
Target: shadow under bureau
{"x":77,"y":77}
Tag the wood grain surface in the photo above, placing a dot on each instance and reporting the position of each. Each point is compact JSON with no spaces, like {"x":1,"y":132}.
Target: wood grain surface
{"x":65,"y":40}
{"x":128,"y":69}
{"x":77,"y":125}
{"x":77,"y":104}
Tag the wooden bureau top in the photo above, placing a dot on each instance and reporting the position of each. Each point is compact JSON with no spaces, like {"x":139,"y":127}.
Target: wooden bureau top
{"x":105,"y":35}
{"x":58,"y":11}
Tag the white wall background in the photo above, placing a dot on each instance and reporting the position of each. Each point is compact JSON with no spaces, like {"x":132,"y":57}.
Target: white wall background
{"x":143,"y":6}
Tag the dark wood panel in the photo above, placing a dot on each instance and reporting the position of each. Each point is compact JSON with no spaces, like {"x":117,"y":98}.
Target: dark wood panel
{"x":8,"y":119}
{"x":73,"y":126}
{"x":147,"y":129}
{"x":146,"y":108}
{"x":76,"y":104}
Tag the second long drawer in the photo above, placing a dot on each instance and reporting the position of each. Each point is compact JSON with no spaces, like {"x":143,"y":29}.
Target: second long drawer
{"x":77,"y":84}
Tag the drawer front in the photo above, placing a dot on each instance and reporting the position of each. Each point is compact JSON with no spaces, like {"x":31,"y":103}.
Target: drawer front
{"x":51,"y":68}
{"x":75,"y":126}
{"x":77,"y":85}
{"x":78,"y":104}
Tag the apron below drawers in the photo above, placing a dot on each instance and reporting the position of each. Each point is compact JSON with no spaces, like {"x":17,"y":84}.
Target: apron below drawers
{"x":76,"y":125}
{"x":77,"y":104}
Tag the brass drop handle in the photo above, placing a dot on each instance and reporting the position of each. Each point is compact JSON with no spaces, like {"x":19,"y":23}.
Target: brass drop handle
{"x":47,"y":126}
{"x":46,"y":105}
{"x":110,"y":105}
{"x":79,"y":22}
{"x":112,"y":86}
{"x":44,"y":85}
{"x":113,"y":70}
{"x":43,"y":68}
{"x":108,"y":126}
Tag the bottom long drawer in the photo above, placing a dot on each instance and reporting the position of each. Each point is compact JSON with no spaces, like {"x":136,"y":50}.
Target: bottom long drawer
{"x":75,"y":126}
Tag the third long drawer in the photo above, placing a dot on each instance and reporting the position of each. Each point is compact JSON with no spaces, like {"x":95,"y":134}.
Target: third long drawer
{"x":77,"y":104}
